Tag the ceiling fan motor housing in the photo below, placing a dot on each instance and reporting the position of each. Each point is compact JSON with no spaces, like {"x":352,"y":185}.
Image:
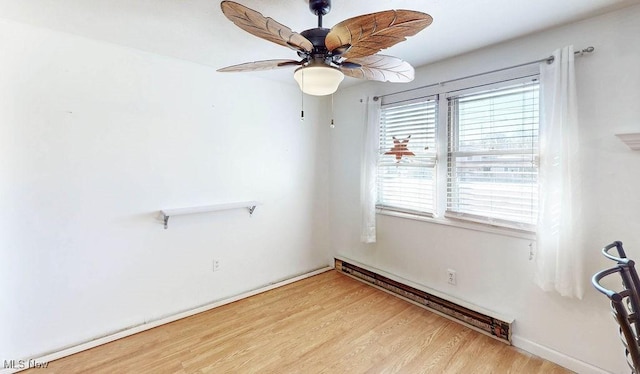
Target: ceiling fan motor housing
{"x":316,"y":37}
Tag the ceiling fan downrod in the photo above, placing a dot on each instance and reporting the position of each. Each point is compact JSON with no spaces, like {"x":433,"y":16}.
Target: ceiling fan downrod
{"x":320,"y":8}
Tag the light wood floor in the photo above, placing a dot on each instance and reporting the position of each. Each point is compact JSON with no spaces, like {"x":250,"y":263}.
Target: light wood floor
{"x":329,"y":323}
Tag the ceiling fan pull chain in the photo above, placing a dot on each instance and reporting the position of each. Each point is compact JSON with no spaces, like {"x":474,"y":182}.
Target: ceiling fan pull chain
{"x":302,"y":100}
{"x":332,"y":113}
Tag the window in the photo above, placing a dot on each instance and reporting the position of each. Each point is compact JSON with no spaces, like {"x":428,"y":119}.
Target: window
{"x":468,"y":154}
{"x":491,"y":162}
{"x":407,"y":160}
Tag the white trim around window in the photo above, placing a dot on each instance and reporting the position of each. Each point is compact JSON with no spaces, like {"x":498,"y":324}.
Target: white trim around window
{"x":465,"y":174}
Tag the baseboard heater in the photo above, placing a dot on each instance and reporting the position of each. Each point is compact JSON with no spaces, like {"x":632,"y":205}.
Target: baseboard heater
{"x":481,"y":322}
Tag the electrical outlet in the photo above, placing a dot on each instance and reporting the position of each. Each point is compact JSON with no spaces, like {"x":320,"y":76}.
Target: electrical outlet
{"x":216,"y":264}
{"x":451,"y":276}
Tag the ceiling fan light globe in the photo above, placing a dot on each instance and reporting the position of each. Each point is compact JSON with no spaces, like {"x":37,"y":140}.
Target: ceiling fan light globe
{"x":318,"y":80}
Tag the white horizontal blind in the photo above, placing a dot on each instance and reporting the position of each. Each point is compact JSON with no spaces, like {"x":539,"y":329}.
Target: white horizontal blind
{"x":406,"y":164}
{"x":492,"y":157}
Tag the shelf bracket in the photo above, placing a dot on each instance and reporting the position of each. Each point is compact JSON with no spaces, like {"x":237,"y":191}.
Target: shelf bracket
{"x":166,"y":221}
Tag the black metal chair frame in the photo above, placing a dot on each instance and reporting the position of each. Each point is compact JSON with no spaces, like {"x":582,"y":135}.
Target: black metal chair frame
{"x":625,"y":304}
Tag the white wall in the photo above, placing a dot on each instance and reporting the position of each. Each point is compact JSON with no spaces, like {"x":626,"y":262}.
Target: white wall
{"x":493,"y":270}
{"x":95,"y":139}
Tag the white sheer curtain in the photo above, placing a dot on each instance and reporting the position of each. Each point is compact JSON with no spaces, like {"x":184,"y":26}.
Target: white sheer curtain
{"x":559,"y":260}
{"x":368,"y":190}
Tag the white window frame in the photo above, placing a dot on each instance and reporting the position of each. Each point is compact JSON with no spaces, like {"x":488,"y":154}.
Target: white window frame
{"x":453,"y":133}
{"x":424,"y":158}
{"x":475,"y":83}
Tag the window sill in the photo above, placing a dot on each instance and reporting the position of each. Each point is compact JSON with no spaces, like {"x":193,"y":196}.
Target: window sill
{"x":505,"y":231}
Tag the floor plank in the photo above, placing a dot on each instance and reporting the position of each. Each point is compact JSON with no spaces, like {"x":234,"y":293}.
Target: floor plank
{"x":328,"y":323}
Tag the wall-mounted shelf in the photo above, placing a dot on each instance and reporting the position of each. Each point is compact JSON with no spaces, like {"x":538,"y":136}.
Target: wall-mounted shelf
{"x":166,"y":213}
{"x":632,"y":140}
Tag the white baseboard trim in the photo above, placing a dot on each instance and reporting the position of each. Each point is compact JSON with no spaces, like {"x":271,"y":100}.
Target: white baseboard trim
{"x":559,"y":358}
{"x":149,"y":325}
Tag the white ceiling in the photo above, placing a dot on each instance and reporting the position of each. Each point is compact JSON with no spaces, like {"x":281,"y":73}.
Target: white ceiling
{"x":197,"y":31}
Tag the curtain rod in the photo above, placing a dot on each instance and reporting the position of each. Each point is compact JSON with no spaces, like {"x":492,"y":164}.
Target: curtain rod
{"x":549,"y":60}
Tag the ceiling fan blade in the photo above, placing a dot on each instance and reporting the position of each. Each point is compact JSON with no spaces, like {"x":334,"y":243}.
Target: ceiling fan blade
{"x":370,"y":33}
{"x":260,"y":65}
{"x":379,"y":68}
{"x":264,"y":27}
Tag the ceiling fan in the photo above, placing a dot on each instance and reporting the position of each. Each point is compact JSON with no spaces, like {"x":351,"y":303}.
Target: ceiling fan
{"x":327,"y":55}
